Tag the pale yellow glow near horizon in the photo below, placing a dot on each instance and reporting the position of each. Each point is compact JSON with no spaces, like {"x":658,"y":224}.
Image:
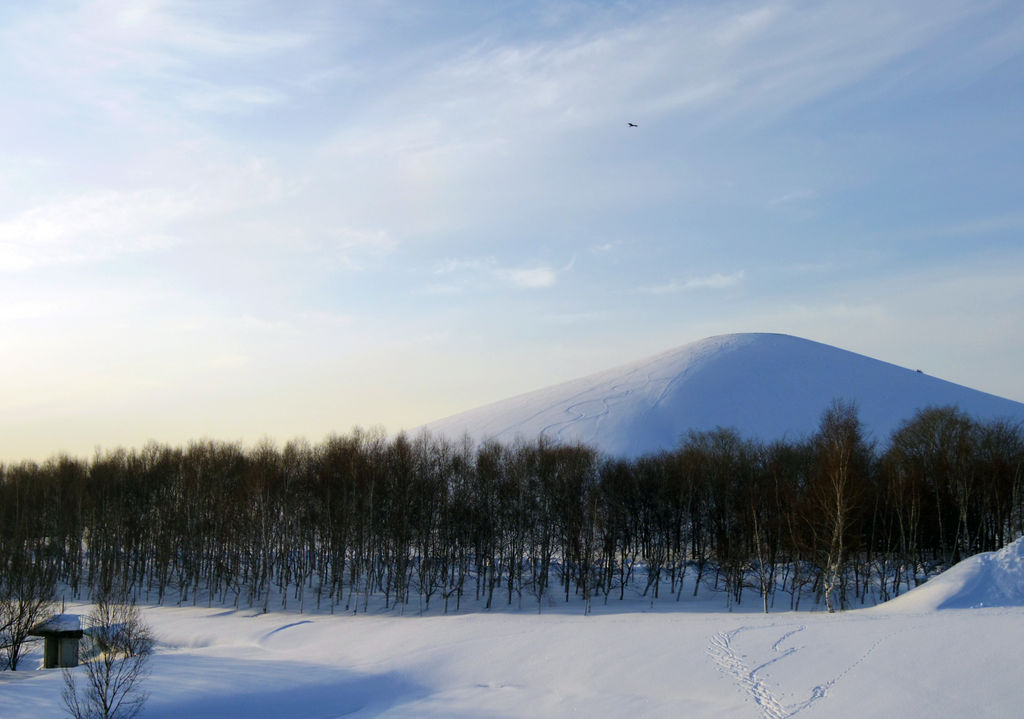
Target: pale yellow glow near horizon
{"x":76,"y":409}
{"x":118,"y":398}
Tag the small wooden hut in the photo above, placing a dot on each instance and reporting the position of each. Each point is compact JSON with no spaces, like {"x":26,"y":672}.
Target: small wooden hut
{"x":62,"y":633}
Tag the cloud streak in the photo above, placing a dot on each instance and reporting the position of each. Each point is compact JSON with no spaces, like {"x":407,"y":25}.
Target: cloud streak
{"x":716,"y":281}
{"x":475,"y":273}
{"x":90,"y":227}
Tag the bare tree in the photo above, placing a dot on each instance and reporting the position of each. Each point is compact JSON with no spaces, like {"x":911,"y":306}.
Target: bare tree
{"x":843,"y":459}
{"x":26,"y":598}
{"x":118,"y":646}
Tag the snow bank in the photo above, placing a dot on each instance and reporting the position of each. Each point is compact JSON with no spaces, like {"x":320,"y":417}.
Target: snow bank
{"x":992,"y":579}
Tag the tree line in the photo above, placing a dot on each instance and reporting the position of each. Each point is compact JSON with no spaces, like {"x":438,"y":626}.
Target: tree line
{"x":425,"y":522}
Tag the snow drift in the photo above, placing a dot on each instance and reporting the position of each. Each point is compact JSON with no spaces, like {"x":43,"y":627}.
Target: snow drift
{"x":766,"y":386}
{"x":991,"y":579}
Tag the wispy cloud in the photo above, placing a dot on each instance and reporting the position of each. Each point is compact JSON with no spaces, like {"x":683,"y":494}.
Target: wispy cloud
{"x":800,"y":314}
{"x":295,"y":322}
{"x":812,"y":267}
{"x":605,"y":247}
{"x":716,"y":281}
{"x":101,"y":224}
{"x":981,"y":226}
{"x":529,"y":277}
{"x":486,"y":272}
{"x":227,"y":99}
{"x":572,"y":318}
{"x":144,"y":62}
{"x":699,"y":59}
{"x":439,"y":289}
{"x":90,"y":227}
{"x":353,"y":248}
{"x":459,"y":138}
{"x":452,"y":265}
{"x":148,"y":35}
{"x":792,"y":197}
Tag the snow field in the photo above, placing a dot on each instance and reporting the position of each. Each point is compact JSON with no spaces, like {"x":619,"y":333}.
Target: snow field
{"x":865,"y":663}
{"x":946,"y":650}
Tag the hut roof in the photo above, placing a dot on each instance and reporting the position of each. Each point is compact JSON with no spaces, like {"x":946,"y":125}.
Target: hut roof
{"x":59,"y":625}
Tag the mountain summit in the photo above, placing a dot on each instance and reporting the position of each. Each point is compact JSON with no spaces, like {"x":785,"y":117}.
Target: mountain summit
{"x":766,"y":386}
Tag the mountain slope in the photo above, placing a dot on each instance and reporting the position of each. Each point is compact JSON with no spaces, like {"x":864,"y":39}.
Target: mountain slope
{"x":766,"y":386}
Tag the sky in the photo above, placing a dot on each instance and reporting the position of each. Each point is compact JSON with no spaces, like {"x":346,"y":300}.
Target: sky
{"x":247,"y":220}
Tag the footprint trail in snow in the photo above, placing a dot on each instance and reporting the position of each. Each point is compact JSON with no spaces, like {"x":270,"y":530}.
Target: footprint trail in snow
{"x":752,"y":680}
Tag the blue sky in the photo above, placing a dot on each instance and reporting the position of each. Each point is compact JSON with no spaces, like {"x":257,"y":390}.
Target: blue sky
{"x":246,"y":219}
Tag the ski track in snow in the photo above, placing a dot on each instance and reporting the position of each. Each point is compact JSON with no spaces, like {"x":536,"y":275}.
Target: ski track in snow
{"x":732,"y":663}
{"x":578,"y":415}
{"x":614,"y":393}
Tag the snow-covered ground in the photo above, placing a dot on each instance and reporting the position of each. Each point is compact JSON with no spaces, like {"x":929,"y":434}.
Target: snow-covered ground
{"x":766,"y":386}
{"x":950,"y":648}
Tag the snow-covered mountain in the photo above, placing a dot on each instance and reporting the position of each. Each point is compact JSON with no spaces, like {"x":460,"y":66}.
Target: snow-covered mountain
{"x":766,"y":386}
